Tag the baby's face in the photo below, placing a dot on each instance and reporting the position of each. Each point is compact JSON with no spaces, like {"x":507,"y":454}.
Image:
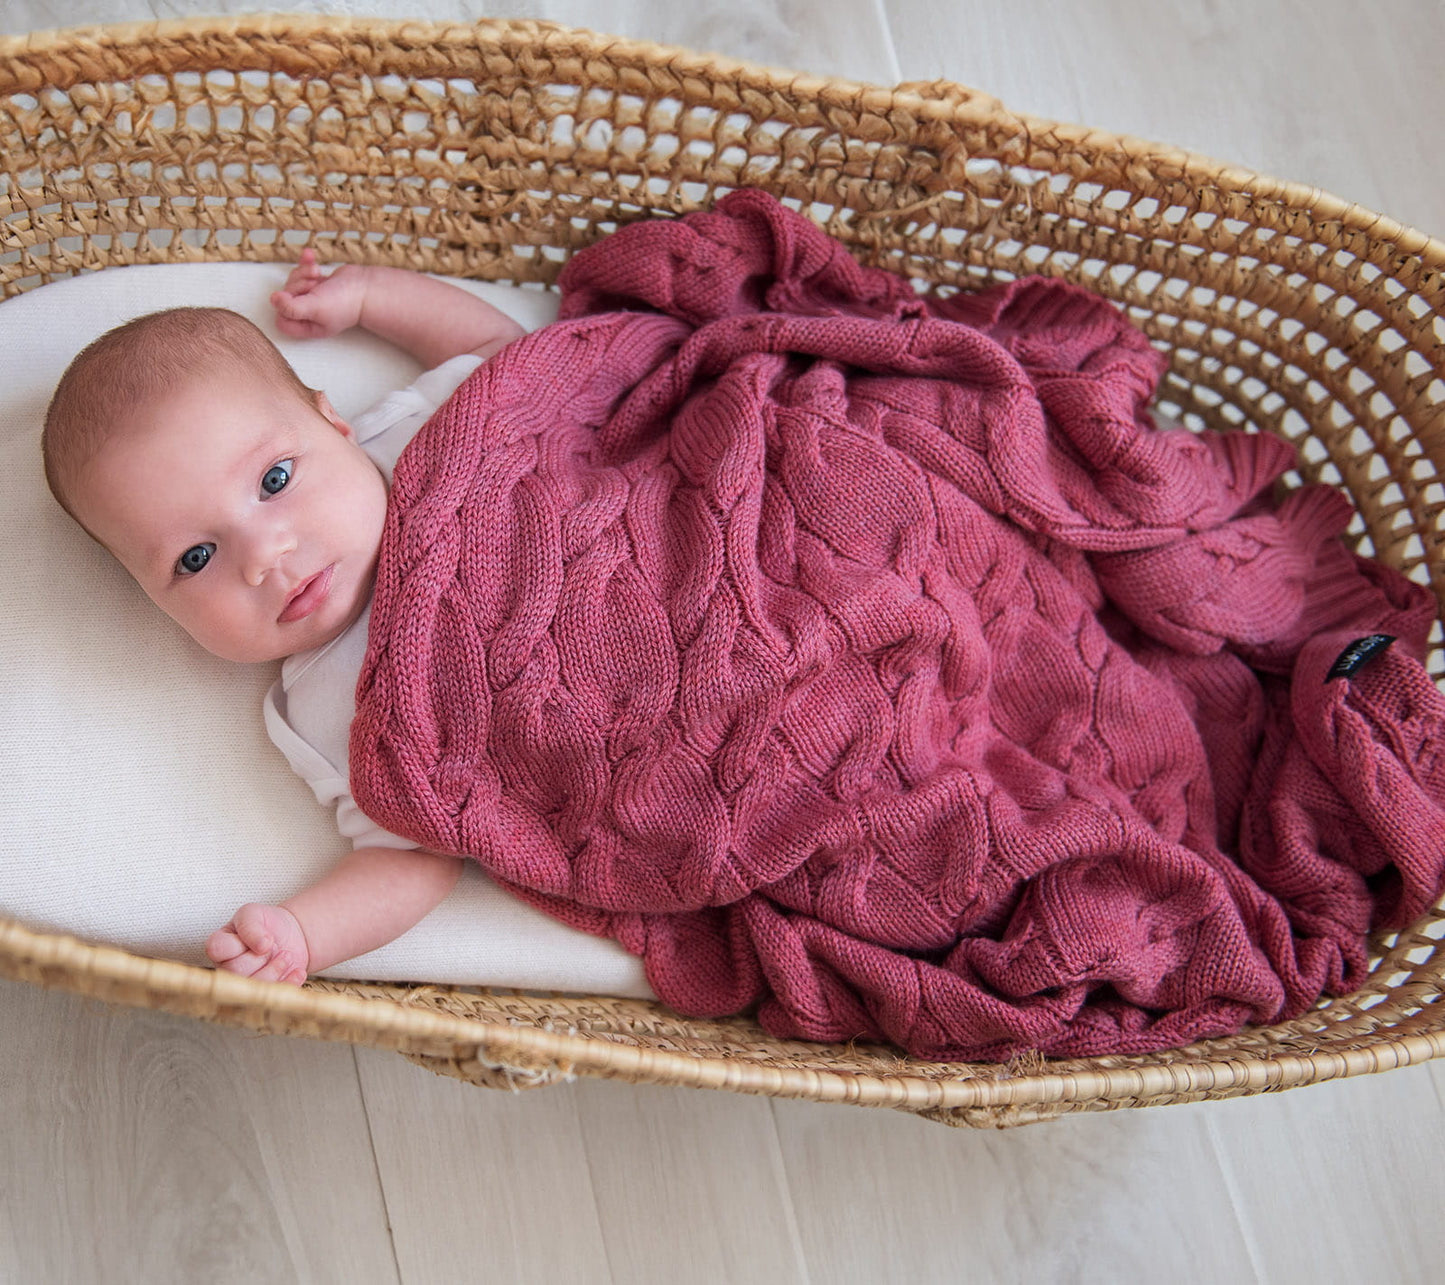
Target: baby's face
{"x":250,"y":517}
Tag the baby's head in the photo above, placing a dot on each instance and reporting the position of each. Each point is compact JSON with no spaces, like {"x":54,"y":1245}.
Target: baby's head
{"x":236,"y":497}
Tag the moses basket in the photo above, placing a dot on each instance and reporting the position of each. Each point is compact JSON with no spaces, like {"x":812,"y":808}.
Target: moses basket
{"x":495,"y":152}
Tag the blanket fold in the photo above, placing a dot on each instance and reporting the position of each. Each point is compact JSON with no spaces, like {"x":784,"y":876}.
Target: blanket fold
{"x":877,"y":662}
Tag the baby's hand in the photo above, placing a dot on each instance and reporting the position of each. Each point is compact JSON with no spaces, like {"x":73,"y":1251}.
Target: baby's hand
{"x":265,"y":942}
{"x":312,"y":305}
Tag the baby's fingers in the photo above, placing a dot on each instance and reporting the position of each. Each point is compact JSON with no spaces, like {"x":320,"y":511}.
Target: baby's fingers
{"x":237,"y":947}
{"x":223,"y":945}
{"x":228,"y":951}
{"x":306,"y":274}
{"x":247,"y":965}
{"x":252,"y":924}
{"x":281,"y":967}
{"x":298,"y":307}
{"x":295,"y":315}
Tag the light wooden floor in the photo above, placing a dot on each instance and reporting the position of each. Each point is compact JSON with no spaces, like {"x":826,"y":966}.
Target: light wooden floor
{"x":136,"y":1147}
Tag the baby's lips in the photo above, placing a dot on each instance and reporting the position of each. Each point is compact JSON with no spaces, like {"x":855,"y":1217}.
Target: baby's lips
{"x":307,"y":596}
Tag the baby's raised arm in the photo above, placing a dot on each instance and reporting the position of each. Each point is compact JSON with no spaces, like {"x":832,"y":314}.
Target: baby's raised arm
{"x":427,"y":318}
{"x":371,"y":897}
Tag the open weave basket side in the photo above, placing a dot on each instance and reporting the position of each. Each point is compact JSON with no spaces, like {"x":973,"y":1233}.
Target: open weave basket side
{"x":496,"y":151}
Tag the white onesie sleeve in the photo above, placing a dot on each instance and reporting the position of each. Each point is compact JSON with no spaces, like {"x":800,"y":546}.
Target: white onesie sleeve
{"x":308,"y":710}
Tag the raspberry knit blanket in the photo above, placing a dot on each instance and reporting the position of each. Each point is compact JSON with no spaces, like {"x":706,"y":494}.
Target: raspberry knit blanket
{"x":877,"y":661}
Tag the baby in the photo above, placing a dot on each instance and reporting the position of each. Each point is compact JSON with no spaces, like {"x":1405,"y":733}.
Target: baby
{"x":247,"y":510}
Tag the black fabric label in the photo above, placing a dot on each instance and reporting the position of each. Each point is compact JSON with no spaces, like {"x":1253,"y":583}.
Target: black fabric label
{"x":1358,"y":654}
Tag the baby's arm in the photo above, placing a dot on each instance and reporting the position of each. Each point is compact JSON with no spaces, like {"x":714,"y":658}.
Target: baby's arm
{"x":371,"y":897}
{"x":427,"y":318}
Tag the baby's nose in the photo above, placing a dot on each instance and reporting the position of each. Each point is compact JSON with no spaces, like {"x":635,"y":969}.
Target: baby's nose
{"x":267,"y":549}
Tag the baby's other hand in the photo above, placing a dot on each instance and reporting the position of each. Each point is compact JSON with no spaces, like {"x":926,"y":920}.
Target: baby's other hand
{"x":265,"y":942}
{"x":312,"y":305}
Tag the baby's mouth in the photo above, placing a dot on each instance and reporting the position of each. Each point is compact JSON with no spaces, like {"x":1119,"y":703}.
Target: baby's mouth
{"x":307,"y":596}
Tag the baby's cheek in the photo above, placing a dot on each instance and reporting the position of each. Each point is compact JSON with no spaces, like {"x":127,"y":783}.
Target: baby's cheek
{"x":178,"y":613}
{"x":226,"y":630}
{"x":365,"y":516}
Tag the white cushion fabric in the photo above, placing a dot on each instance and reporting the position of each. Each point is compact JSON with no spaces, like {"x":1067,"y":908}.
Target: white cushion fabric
{"x":141,"y":800}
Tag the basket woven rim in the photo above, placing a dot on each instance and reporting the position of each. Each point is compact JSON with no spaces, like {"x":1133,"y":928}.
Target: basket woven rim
{"x":142,"y":38}
{"x":261,"y":1003}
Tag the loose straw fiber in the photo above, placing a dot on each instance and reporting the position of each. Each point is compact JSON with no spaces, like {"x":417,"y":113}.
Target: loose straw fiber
{"x":496,"y":151}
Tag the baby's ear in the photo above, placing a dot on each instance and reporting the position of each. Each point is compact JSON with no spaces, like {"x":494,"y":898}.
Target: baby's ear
{"x":328,"y":411}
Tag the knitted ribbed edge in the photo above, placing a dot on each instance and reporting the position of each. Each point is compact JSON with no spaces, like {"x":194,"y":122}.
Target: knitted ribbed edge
{"x":496,"y":150}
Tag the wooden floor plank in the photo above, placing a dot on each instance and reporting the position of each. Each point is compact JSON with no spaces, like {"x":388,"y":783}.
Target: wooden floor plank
{"x":704,"y":1167}
{"x":136,"y":1146}
{"x":843,"y":38}
{"x":1316,"y":91}
{"x":482,"y":1184}
{"x":1340,"y":1181}
{"x":1133,"y":1196}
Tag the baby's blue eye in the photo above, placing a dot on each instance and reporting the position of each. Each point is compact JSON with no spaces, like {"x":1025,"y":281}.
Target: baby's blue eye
{"x":277,"y":476}
{"x":194,"y":558}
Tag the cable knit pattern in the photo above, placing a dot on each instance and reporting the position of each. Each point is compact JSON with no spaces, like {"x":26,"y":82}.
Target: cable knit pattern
{"x":877,"y":662}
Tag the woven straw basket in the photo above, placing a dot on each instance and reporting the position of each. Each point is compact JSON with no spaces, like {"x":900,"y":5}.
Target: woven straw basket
{"x":495,"y":152}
